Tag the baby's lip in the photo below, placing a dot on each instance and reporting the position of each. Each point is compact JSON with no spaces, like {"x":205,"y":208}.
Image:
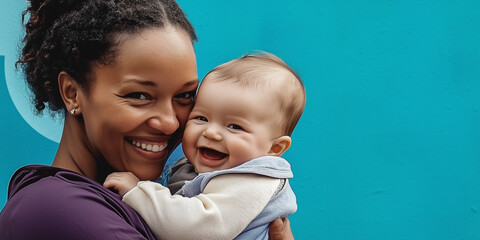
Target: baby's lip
{"x":212,"y":154}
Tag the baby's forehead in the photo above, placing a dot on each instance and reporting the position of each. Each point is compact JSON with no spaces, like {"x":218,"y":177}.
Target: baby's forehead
{"x":265,"y":78}
{"x":261,"y":102}
{"x":222,"y":92}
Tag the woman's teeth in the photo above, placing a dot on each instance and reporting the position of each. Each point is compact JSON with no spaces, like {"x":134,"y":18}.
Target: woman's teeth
{"x":150,"y":147}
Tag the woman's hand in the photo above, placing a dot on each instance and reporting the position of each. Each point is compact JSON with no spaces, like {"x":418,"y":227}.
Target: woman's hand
{"x":280,"y":230}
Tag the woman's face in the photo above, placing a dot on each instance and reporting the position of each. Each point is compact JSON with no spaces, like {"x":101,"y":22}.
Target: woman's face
{"x":137,"y":107}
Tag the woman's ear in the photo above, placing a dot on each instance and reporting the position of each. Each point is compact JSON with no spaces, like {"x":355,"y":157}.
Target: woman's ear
{"x":280,"y":145}
{"x":69,"y":90}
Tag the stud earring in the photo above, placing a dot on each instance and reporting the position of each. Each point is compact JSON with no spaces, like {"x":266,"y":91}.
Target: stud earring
{"x":73,"y":111}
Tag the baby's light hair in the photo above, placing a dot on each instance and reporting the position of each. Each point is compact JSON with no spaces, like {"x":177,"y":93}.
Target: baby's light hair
{"x":264,"y":70}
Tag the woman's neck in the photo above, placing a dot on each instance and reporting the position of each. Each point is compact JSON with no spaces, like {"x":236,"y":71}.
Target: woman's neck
{"x":73,"y":152}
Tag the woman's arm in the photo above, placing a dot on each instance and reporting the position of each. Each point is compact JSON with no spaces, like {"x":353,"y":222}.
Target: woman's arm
{"x":55,"y":209}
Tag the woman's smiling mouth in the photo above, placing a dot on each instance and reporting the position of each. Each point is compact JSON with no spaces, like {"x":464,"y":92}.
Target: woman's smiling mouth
{"x":150,"y":147}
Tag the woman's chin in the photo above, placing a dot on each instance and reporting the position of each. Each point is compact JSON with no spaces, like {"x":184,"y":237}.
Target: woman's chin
{"x":149,"y":176}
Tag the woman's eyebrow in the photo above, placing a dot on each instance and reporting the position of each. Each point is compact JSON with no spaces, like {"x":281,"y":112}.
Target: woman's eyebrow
{"x":139,"y":81}
{"x":152,"y":83}
{"x":190,"y":83}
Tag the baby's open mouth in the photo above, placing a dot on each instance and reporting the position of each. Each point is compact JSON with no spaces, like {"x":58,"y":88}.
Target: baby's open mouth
{"x":212,"y":154}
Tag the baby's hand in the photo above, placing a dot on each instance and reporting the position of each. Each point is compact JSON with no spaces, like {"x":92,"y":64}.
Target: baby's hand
{"x":122,"y":182}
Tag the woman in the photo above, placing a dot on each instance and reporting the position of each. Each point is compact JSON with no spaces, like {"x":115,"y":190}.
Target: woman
{"x":121,"y":71}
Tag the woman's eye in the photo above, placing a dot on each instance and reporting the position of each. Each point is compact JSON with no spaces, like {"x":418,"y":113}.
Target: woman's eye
{"x":186,"y":98}
{"x":235,"y":126}
{"x":138,"y":96}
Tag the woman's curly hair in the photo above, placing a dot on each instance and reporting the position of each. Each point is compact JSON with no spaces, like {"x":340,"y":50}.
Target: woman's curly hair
{"x":70,"y":35}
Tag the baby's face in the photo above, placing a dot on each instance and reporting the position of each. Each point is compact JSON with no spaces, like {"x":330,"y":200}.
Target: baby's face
{"x":229,"y":125}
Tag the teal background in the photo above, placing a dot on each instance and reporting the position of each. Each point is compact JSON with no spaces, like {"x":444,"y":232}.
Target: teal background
{"x":389,"y":144}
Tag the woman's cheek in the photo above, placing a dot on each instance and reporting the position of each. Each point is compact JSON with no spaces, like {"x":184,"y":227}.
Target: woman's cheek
{"x":182,"y":115}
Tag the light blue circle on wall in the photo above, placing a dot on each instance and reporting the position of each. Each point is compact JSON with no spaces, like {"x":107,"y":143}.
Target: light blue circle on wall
{"x":47,"y":125}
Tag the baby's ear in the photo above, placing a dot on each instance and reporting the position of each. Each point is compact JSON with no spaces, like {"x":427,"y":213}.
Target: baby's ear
{"x":280,"y":145}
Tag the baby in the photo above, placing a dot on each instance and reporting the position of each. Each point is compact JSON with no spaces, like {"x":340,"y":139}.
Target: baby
{"x":244,"y":114}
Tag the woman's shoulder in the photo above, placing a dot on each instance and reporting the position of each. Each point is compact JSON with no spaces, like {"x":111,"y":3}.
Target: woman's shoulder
{"x":44,"y":197}
{"x":47,"y":182}
{"x":37,"y":177}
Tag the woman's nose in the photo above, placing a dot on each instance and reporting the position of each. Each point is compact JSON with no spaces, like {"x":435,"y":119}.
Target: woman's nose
{"x":213,"y":133}
{"x":164,"y":120}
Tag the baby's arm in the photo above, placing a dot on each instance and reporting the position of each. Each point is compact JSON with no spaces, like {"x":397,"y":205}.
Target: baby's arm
{"x":122,"y":182}
{"x":228,"y":204}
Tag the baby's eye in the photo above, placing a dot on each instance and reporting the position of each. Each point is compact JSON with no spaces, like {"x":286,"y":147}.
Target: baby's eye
{"x":138,"y":96}
{"x":201,"y":118}
{"x":186,"y":98}
{"x":235,"y":126}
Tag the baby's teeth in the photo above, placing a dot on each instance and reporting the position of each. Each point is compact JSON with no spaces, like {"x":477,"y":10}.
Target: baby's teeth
{"x":144,"y":146}
{"x":156,"y":148}
{"x":149,"y":147}
{"x":138,"y":144}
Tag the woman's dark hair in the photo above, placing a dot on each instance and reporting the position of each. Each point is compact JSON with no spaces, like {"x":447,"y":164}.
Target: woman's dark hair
{"x":69,"y":35}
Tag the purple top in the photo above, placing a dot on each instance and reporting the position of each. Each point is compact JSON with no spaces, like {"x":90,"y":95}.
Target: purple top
{"x":45,"y":202}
